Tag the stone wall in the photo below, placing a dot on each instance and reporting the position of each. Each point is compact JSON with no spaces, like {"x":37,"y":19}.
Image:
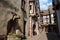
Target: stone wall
{"x":6,"y":7}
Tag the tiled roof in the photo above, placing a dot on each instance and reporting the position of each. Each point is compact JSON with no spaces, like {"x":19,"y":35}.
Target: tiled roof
{"x":45,"y":12}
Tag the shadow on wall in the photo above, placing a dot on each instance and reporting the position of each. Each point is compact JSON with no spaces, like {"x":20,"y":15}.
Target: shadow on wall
{"x":34,"y":28}
{"x":51,"y":36}
{"x":13,"y":25}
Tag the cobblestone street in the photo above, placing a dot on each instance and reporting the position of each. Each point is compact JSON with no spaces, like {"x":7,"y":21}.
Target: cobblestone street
{"x":44,"y":36}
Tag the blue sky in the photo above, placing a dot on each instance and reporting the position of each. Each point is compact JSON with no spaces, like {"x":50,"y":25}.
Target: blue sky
{"x":44,"y":4}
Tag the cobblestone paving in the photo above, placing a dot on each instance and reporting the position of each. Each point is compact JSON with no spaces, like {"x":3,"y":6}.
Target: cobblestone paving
{"x":44,"y":36}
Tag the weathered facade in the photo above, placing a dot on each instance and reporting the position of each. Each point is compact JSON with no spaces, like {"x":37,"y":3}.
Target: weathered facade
{"x":34,"y":17}
{"x":12,"y":16}
{"x":21,"y":17}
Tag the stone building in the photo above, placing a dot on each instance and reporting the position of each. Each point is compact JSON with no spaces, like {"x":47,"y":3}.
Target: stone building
{"x":13,"y":16}
{"x":21,"y":17}
{"x":34,"y":17}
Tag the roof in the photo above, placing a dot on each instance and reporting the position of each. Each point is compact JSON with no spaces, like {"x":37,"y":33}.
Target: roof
{"x":31,"y":0}
{"x":45,"y":12}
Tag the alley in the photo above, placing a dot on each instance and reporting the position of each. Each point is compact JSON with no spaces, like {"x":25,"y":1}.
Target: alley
{"x":30,"y":19}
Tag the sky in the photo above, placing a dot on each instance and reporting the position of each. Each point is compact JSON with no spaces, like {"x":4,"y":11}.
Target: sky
{"x":44,"y":4}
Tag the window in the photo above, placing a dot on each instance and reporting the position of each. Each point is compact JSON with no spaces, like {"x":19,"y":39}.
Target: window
{"x":51,"y":15}
{"x":23,"y":4}
{"x":52,"y":21}
{"x":47,"y":16}
{"x":44,"y":16}
{"x":46,"y":19}
{"x":52,"y":18}
{"x":30,"y":7}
